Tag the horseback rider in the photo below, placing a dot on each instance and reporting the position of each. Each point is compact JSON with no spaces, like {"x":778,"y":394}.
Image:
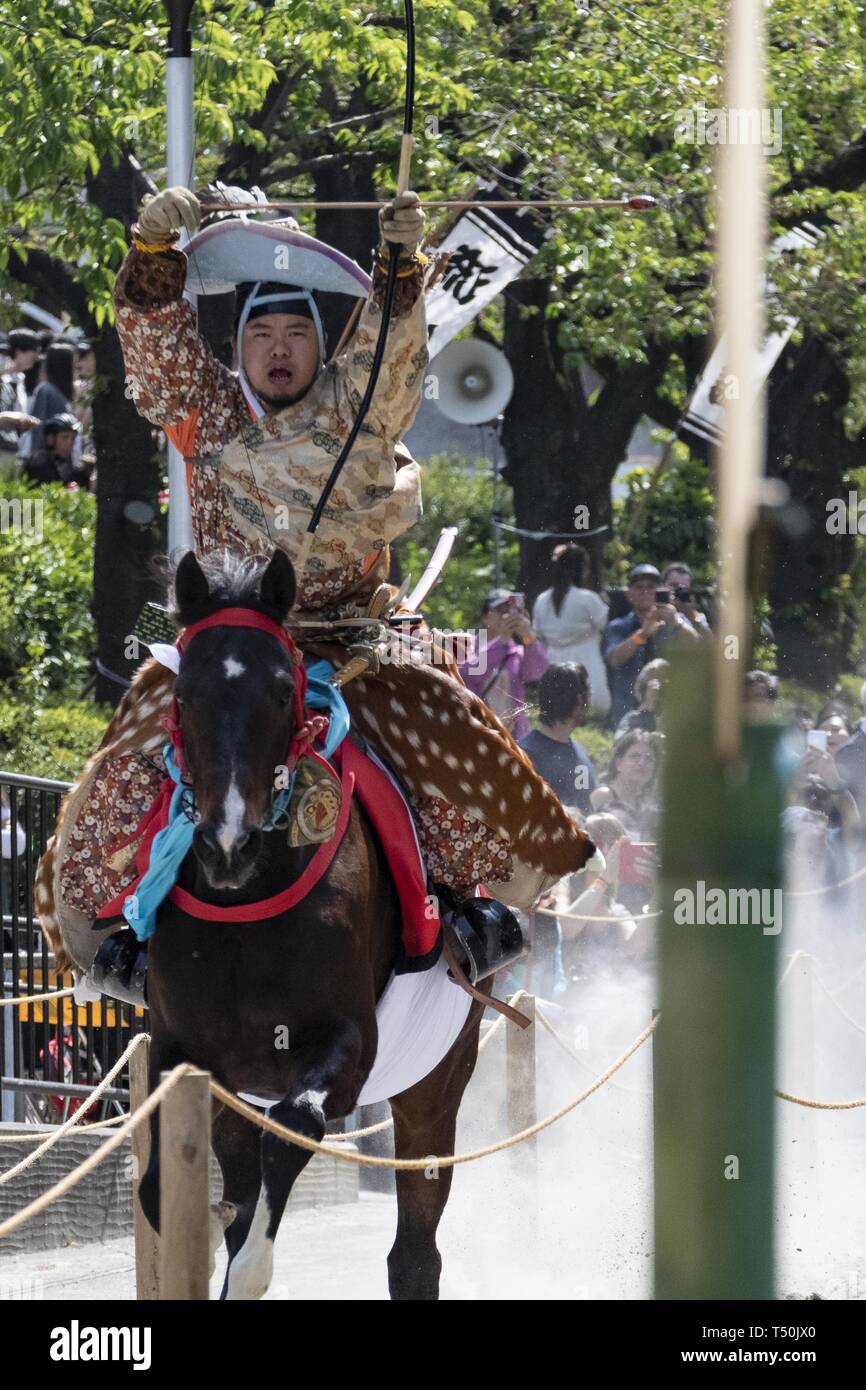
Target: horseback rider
{"x":259,"y":445}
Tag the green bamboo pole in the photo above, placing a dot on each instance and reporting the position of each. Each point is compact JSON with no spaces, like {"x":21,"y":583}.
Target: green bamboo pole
{"x":714,"y":1049}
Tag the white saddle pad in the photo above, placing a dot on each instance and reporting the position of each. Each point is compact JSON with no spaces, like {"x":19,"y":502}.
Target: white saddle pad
{"x":419,"y":1016}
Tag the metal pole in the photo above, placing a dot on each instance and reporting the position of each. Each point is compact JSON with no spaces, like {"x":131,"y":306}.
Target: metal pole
{"x":180,"y":128}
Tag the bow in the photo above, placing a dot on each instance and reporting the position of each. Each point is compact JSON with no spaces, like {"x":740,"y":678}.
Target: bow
{"x":387,"y":301}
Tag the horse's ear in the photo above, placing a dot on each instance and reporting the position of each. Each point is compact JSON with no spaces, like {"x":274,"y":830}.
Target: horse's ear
{"x":190,"y":583}
{"x":277,"y":590}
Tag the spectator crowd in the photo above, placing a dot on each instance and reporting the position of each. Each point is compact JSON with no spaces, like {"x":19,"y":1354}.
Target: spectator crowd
{"x":46,"y":386}
{"x":605,"y":657}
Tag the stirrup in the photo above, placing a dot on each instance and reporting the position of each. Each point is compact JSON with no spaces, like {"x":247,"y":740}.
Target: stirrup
{"x":487,"y":932}
{"x":119,"y":969}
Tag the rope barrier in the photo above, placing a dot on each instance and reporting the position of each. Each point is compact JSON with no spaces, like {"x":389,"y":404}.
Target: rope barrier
{"x":570,"y":916}
{"x":35,"y":998}
{"x":131,"y":1122}
{"x":444,"y":1161}
{"x":824,"y":888}
{"x":82,"y":1129}
{"x":93,"y":1160}
{"x":837,"y":1005}
{"x":584,"y":917}
{"x":821,"y":1104}
{"x":75,"y":1119}
{"x":549,"y":1028}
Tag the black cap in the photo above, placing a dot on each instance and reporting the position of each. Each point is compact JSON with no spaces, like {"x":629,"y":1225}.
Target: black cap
{"x":61,"y":422}
{"x":299,"y":307}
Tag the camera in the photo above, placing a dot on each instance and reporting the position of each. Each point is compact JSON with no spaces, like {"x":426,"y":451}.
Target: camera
{"x":682,"y":595}
{"x":663,"y":595}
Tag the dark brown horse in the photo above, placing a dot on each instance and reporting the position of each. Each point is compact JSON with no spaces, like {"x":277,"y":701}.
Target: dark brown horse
{"x":225,"y":995}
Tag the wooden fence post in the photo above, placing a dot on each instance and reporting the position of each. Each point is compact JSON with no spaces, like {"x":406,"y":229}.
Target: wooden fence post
{"x":520,"y":1071}
{"x":184,"y":1149}
{"x":146,"y":1239}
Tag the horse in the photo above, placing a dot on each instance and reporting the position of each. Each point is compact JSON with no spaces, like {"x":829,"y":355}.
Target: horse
{"x":221,"y":993}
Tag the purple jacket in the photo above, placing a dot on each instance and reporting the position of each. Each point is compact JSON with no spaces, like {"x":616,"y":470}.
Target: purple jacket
{"x":520,"y":664}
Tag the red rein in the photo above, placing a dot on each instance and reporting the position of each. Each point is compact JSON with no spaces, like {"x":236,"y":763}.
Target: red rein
{"x":307,"y":727}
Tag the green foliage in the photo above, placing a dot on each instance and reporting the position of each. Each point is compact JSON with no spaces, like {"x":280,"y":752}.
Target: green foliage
{"x":51,"y":741}
{"x":46,"y":562}
{"x":458,"y":495}
{"x":664,"y":520}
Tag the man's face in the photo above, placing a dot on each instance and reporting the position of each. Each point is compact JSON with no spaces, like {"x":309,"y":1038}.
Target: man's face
{"x":63,"y":442}
{"x":642,"y":594}
{"x":678,"y":579}
{"x":23,"y":360}
{"x":280,"y":357}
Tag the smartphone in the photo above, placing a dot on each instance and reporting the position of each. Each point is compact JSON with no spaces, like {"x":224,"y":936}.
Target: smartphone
{"x":663,"y":595}
{"x":628,"y":860}
{"x":817,"y":738}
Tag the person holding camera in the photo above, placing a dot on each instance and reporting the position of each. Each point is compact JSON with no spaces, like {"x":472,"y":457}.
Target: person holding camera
{"x":678,"y":578}
{"x":505,"y":657}
{"x":631,"y":642}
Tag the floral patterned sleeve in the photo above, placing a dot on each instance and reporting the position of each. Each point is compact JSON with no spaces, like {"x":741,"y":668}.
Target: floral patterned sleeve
{"x":175,"y":380}
{"x":398,"y":396}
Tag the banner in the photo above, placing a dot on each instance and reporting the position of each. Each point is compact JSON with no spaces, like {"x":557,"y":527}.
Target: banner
{"x":706,"y":410}
{"x":488,"y":250}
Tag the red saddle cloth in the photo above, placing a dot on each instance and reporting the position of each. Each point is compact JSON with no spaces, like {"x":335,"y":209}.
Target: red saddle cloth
{"x":421,"y":939}
{"x":421,"y":942}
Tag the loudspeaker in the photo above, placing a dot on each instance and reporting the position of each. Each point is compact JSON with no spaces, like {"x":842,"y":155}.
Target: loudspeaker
{"x":475,"y":381}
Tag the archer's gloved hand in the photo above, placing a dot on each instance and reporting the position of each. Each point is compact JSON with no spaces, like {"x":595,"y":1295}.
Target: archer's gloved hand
{"x":163,"y":214}
{"x":402,"y":221}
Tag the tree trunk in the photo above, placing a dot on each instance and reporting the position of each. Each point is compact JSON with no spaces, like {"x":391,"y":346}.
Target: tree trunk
{"x":563,"y":452}
{"x":811,"y":615}
{"x":354,"y":233}
{"x":128,"y":470}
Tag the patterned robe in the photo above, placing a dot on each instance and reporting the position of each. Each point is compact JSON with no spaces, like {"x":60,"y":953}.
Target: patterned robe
{"x":482,"y":813}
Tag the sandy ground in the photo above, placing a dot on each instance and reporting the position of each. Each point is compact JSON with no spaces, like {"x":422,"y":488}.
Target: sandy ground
{"x":582,"y":1229}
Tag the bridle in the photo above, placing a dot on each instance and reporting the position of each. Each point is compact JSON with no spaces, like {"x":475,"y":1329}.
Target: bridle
{"x":307,"y":727}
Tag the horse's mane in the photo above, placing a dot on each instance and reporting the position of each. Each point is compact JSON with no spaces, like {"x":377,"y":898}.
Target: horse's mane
{"x":233,"y":580}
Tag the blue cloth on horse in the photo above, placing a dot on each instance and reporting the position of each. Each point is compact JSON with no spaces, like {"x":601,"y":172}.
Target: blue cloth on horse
{"x":322,"y":695}
{"x":171,"y":844}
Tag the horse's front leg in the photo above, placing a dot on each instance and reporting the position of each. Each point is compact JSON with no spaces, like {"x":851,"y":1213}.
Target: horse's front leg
{"x":425,"y":1126}
{"x":326,"y":1080}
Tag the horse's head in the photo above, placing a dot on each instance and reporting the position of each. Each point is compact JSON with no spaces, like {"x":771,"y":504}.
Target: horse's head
{"x":236,"y":704}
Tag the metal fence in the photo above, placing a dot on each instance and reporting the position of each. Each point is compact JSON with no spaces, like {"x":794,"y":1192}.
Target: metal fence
{"x":51,"y":1053}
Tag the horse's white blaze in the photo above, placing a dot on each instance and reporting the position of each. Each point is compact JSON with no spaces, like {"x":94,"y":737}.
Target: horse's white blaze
{"x":233,"y":818}
{"x":233,"y":668}
{"x":251,"y":1269}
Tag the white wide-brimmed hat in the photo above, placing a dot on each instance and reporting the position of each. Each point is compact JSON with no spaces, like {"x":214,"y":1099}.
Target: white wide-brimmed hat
{"x":236,"y":251}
